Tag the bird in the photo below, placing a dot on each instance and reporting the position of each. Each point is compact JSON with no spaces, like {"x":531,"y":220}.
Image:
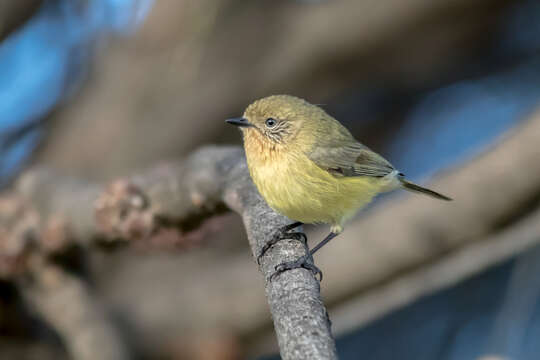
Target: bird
{"x":307,"y":166}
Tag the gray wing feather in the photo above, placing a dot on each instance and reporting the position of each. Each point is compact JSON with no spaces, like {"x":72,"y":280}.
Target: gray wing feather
{"x":352,"y":159}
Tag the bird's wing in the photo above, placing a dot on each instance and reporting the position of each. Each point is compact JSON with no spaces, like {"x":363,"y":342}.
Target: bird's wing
{"x":349,"y":158}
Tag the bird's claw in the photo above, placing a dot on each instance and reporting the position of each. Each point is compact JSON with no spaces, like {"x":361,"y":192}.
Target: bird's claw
{"x":301,"y":262}
{"x":281,"y":235}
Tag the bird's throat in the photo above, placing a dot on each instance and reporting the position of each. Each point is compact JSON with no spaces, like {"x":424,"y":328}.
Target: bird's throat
{"x":260,"y":150}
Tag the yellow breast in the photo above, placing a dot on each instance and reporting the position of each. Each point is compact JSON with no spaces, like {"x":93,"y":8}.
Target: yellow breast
{"x":296,"y":187}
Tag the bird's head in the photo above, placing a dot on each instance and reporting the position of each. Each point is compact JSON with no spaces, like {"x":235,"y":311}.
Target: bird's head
{"x":279,"y":119}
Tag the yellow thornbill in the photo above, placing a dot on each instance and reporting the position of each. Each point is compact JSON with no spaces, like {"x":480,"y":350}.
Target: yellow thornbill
{"x":308,"y":167}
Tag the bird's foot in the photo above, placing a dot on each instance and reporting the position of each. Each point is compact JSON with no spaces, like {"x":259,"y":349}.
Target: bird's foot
{"x":301,"y":262}
{"x":283,"y":233}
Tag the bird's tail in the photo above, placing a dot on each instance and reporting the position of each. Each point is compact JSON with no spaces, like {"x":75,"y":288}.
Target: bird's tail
{"x":417,"y":188}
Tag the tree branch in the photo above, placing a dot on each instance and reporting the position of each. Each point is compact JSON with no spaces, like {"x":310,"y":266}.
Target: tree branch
{"x":170,"y":200}
{"x":300,"y":317}
{"x":65,"y":303}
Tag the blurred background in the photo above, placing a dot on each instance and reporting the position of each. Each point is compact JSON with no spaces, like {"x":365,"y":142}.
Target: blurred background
{"x":103,"y":88}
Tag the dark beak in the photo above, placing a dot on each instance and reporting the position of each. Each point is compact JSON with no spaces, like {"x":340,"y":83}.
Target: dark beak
{"x":239,"y":122}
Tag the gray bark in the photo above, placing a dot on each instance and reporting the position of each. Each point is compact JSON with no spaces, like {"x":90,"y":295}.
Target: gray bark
{"x":168,"y":199}
{"x":300,"y":318}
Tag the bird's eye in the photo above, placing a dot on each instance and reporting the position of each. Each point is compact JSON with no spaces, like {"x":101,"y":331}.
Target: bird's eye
{"x":270,"y":122}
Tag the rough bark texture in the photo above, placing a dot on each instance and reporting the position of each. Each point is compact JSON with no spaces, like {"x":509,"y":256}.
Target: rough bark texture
{"x":166,"y":201}
{"x":300,"y":317}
